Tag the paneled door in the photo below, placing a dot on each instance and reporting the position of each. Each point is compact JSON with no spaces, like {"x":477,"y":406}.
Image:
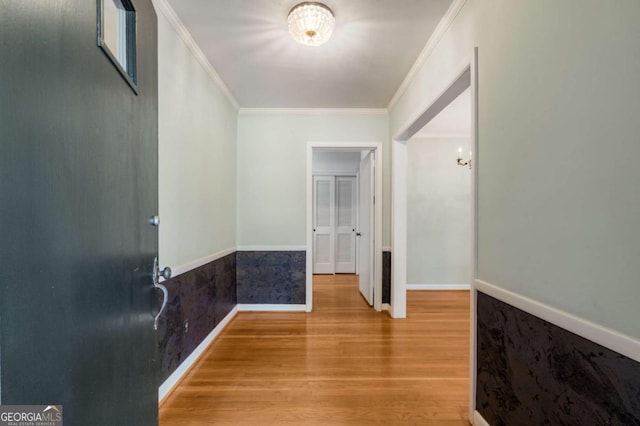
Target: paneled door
{"x":323,"y":224}
{"x":78,"y":186}
{"x":346,"y":208}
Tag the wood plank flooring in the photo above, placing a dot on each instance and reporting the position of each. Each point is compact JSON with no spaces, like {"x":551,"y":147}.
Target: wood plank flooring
{"x":342,"y":364}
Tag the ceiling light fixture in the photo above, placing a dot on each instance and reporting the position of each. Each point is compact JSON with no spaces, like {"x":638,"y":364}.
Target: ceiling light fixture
{"x":311,"y":23}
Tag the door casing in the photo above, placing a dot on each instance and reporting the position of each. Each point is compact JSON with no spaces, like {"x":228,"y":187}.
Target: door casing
{"x":366,"y":225}
{"x":466,"y":76}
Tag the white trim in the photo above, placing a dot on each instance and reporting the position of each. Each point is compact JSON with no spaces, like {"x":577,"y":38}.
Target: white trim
{"x":442,"y":136}
{"x":434,"y":106}
{"x":271,"y":308}
{"x":478,"y":420}
{"x":272,"y":248}
{"x":475,"y":147}
{"x":344,"y":146}
{"x":377,"y":253}
{"x":336,"y":173}
{"x":435,"y":287}
{"x":614,"y":340}
{"x":387,"y":248}
{"x":186,"y":267}
{"x":432,"y":43}
{"x":399,"y":229}
{"x":377,"y":147}
{"x":309,"y":230}
{"x":313,"y":111}
{"x":166,"y":9}
{"x":386,"y":307}
{"x":175,"y":377}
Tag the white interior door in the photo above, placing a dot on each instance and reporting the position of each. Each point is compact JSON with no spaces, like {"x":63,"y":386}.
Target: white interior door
{"x":346,"y":224}
{"x":365,"y":227}
{"x":323,"y":224}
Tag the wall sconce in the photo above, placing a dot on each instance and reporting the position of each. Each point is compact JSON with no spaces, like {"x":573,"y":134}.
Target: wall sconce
{"x":461,"y":162}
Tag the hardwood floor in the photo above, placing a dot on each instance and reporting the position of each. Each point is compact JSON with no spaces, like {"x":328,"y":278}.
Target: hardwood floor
{"x":343,"y":364}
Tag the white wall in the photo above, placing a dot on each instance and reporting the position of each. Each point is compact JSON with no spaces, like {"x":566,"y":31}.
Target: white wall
{"x":558,"y":189}
{"x":438,"y":212}
{"x":331,"y":161}
{"x":272,"y":169}
{"x":197,"y":156}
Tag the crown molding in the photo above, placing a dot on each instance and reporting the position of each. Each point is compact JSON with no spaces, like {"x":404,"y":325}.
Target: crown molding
{"x":165,"y":8}
{"x":431,"y":45}
{"x":313,"y":111}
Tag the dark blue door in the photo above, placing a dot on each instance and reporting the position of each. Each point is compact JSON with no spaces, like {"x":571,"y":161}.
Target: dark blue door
{"x":78,"y":183}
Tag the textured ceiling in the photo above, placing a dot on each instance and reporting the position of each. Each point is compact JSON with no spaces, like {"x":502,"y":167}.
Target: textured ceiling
{"x":372,"y":49}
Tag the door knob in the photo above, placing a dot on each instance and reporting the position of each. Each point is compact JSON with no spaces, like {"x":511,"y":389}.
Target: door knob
{"x":164,"y":273}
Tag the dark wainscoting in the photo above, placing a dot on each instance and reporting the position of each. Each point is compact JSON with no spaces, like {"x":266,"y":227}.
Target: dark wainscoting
{"x":271,"y":277}
{"x":203,"y":297}
{"x":531,"y":372}
{"x":386,"y":277}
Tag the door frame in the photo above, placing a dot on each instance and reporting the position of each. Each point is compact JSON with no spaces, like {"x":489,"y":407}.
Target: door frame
{"x":377,"y":270}
{"x":466,"y":75}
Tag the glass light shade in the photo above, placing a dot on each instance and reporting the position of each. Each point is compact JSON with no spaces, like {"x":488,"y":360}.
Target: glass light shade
{"x":311,"y":23}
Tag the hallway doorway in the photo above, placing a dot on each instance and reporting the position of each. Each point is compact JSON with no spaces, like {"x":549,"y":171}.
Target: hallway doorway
{"x":344,"y":221}
{"x":344,"y":215}
{"x":336,"y":204}
{"x":465,"y":79}
{"x":439,"y":200}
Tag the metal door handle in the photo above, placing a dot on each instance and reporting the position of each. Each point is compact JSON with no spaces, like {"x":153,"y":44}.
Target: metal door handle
{"x":165,"y":299}
{"x":166,"y":274}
